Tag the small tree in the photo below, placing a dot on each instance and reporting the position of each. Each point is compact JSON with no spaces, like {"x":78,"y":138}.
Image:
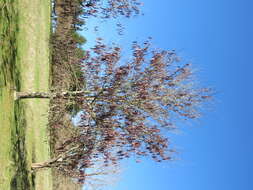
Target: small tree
{"x":125,"y":107}
{"x":80,"y":40}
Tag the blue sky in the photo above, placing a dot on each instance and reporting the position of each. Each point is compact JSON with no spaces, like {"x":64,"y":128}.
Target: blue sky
{"x":216,"y":36}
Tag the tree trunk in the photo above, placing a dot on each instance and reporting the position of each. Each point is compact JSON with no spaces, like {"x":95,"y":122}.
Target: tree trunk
{"x":54,"y":162}
{"x":40,"y":165}
{"x":66,"y":94}
{"x":22,"y":95}
{"x":47,"y":164}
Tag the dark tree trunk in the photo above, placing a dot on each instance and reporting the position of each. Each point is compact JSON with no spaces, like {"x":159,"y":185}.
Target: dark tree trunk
{"x":22,"y":95}
{"x":66,"y":94}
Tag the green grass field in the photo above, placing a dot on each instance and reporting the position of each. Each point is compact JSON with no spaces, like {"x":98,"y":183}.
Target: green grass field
{"x":24,"y":65}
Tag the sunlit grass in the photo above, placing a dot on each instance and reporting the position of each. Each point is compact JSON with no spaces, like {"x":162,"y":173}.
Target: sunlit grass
{"x":24,"y":65}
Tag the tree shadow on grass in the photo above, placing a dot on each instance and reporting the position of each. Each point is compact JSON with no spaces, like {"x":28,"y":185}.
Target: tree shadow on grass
{"x":9,"y":78}
{"x":20,"y":178}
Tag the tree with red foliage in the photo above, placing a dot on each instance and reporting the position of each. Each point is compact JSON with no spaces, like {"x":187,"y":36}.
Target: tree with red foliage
{"x":126,"y":105}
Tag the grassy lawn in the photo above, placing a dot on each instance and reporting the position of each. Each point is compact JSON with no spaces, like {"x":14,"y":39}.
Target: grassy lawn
{"x":24,"y":64}
{"x":9,"y":137}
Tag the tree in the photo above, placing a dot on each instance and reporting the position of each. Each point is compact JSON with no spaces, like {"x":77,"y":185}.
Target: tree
{"x":109,"y":8}
{"x":125,"y":107}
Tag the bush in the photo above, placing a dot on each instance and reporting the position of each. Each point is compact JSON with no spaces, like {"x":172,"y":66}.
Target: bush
{"x":77,"y":38}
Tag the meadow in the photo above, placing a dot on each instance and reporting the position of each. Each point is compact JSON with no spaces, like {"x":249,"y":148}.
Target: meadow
{"x":24,"y":66}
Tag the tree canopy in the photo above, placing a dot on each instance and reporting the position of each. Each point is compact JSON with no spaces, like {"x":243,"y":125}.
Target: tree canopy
{"x":125,"y":105}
